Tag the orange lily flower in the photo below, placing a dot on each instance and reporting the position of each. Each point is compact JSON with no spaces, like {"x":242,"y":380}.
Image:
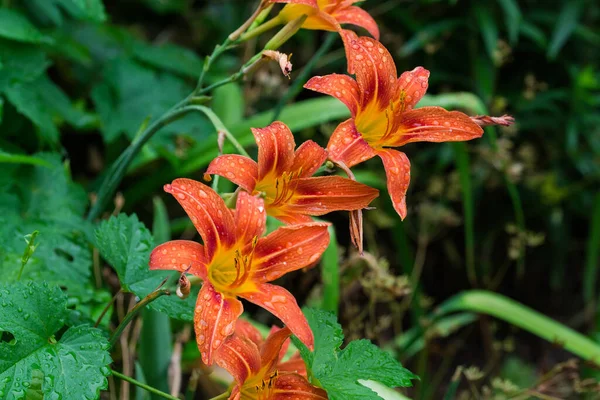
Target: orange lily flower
{"x":382,"y":114}
{"x":291,"y":193}
{"x":327,"y":15}
{"x":258,"y":369}
{"x":235,"y":261}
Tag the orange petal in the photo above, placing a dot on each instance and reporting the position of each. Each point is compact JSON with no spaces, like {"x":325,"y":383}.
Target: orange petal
{"x":323,"y":194}
{"x":208,"y":213}
{"x":180,"y":255}
{"x":275,"y":149}
{"x":356,"y":230}
{"x":282,"y":304}
{"x":287,"y":249}
{"x":357,"y":16}
{"x":293,"y":386}
{"x":397,"y":170}
{"x":294,"y":364}
{"x":292,"y":218}
{"x":246,"y":329}
{"x":312,"y":3}
{"x":214,"y":320}
{"x":347,"y":145}
{"x":250,"y":217}
{"x":239,"y":356}
{"x":308,"y":158}
{"x":284,"y":346}
{"x":434,"y":124}
{"x":271,"y":350}
{"x":374,"y":68}
{"x":410,"y":88}
{"x":240,"y":170}
{"x":344,"y":88}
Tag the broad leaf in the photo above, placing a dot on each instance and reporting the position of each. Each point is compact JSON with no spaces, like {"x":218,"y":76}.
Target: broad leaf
{"x":125,"y":243}
{"x":15,"y":26}
{"x":52,"y":10}
{"x":20,"y":62}
{"x":72,"y":366}
{"x":339,"y":371}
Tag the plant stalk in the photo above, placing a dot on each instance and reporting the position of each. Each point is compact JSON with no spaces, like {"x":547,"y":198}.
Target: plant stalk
{"x":143,"y":385}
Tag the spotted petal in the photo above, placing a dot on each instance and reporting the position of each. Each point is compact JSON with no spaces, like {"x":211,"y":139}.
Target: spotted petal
{"x":287,"y":249}
{"x":180,"y":255}
{"x":214,"y":320}
{"x":275,"y":149}
{"x":434,"y":124}
{"x":272,"y":347}
{"x":324,"y":194}
{"x":342,"y":87}
{"x":397,"y":170}
{"x":242,"y":171}
{"x":410,"y":88}
{"x":374,"y":68}
{"x":347,"y":145}
{"x":293,"y":386}
{"x":282,"y":304}
{"x":308,"y":158}
{"x":208,"y":213}
{"x":250,"y":217}
{"x":359,"y":17}
{"x":239,"y":356}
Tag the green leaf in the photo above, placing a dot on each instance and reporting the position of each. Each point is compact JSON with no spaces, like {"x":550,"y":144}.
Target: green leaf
{"x":74,"y":366}
{"x":169,"y":57}
{"x":567,"y":21}
{"x":20,"y":62}
{"x":23,"y":159}
{"x":125,"y":243}
{"x":15,"y":26}
{"x":44,"y":198}
{"x":166,"y":6}
{"x":339,"y":371}
{"x":488,"y":28}
{"x":228,"y":104}
{"x":52,"y":10}
{"x":513,"y":18}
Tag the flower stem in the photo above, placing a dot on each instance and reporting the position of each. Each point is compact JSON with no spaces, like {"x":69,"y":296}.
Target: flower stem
{"x":270,"y":24}
{"x":221,"y":396}
{"x":139,"y":306}
{"x":143,"y":385}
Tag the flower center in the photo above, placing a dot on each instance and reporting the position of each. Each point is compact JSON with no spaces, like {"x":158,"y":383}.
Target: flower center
{"x":278,"y":191}
{"x":378,"y":125}
{"x":259,"y":388}
{"x":230,"y":269}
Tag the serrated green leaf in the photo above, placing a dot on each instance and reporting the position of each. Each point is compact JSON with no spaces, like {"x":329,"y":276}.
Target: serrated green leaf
{"x":15,"y":26}
{"x":74,"y":366}
{"x":339,"y":371}
{"x":125,"y":243}
{"x":45,"y":199}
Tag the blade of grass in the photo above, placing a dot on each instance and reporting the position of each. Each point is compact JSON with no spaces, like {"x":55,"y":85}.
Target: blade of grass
{"x":592,"y":254}
{"x":22,"y":159}
{"x":567,"y":21}
{"x":330,"y":274}
{"x":512,"y":18}
{"x":517,"y":314}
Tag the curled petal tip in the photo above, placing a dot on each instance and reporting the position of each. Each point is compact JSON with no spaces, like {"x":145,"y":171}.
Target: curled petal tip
{"x":485,"y":120}
{"x":168,"y":188}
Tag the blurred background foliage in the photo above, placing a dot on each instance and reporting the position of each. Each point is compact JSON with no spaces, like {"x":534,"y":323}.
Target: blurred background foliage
{"x":516,"y":212}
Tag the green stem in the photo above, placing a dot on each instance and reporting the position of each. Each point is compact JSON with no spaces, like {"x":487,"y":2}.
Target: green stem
{"x":524,"y":317}
{"x":143,"y":386}
{"x":270,"y":24}
{"x":219,"y":49}
{"x":139,"y":306}
{"x":221,"y":396}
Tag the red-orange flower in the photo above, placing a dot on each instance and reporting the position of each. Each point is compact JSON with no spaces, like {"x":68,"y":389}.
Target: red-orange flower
{"x":285,"y":177}
{"x":328,"y":15}
{"x":235,"y":261}
{"x":382,"y":112}
{"x":258,"y":369}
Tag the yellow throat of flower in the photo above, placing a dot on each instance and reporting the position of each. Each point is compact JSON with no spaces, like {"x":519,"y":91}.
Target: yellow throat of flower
{"x":259,"y":387}
{"x":230,"y":269}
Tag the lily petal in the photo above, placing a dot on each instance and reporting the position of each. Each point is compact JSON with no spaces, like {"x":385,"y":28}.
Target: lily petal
{"x":250,"y":217}
{"x":208,"y":213}
{"x":308,"y":158}
{"x":289,"y":248}
{"x":246,"y":329}
{"x":242,"y":171}
{"x":434,"y":124}
{"x":275,"y":149}
{"x":397,"y":169}
{"x":312,"y":3}
{"x":271,"y":350}
{"x":294,"y":364}
{"x":293,"y":218}
{"x":214,"y":320}
{"x":323,"y":194}
{"x":411,"y":87}
{"x":293,"y":386}
{"x":374,"y":68}
{"x":342,"y":87}
{"x":180,"y":255}
{"x":282,"y":304}
{"x":239,"y":356}
{"x":347,"y":145}
{"x":359,"y":17}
